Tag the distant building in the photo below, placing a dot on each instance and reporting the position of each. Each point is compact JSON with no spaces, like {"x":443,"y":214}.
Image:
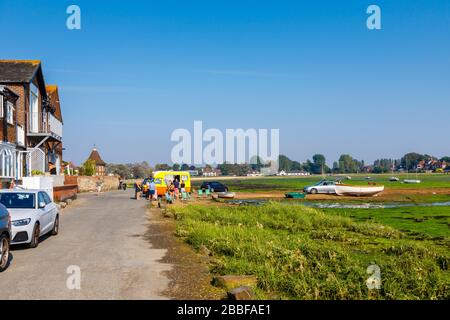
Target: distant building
{"x":193,"y":172}
{"x":268,"y":171}
{"x":211,"y":172}
{"x":293,"y":173}
{"x":100,"y":165}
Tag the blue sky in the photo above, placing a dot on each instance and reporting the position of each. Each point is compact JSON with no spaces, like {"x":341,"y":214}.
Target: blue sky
{"x":137,"y":70}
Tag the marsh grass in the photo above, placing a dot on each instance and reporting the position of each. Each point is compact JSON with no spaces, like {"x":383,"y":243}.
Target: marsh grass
{"x":304,"y":253}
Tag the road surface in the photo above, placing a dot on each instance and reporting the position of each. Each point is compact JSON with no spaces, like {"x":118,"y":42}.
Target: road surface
{"x":103,"y":236}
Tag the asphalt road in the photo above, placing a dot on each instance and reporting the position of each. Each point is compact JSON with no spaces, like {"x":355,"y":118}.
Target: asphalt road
{"x":103,"y":236}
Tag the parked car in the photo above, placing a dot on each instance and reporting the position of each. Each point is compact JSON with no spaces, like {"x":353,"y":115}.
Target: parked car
{"x":33,"y":214}
{"x":214,"y":186}
{"x":5,"y":237}
{"x":324,"y":186}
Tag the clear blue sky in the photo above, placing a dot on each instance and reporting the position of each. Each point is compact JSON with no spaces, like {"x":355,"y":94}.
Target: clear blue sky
{"x":310,"y":68}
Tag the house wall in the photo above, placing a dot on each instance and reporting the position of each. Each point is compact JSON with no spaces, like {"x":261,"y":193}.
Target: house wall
{"x":19,"y":115}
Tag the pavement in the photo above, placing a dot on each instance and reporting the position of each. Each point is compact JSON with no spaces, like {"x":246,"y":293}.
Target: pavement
{"x":99,"y":253}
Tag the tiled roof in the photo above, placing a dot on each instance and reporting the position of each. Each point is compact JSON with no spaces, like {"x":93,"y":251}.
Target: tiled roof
{"x":96,"y":157}
{"x":12,"y":71}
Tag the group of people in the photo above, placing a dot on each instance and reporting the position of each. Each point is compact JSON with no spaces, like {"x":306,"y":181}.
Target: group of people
{"x":147,"y":188}
{"x":176,"y":189}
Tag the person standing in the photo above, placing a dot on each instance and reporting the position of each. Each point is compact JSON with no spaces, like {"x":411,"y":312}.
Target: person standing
{"x":137,"y":190}
{"x":152,"y":189}
{"x":176,"y":186}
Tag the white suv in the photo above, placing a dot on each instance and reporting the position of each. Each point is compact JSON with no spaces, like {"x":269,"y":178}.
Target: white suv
{"x":33,"y":214}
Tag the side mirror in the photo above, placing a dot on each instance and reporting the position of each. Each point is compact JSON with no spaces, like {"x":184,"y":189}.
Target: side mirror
{"x":41,"y":205}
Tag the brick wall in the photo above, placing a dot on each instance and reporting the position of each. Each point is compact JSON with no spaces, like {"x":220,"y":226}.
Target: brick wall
{"x":19,"y":115}
{"x":62,"y":193}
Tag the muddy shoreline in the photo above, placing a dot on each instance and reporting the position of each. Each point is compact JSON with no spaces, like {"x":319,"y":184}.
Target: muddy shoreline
{"x":189,"y":277}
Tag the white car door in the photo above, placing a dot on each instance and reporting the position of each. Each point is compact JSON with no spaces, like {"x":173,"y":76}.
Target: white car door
{"x":44,"y":213}
{"x":52,"y":208}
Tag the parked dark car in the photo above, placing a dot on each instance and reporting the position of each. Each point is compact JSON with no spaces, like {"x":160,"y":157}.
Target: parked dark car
{"x":214,"y":186}
{"x":5,"y":237}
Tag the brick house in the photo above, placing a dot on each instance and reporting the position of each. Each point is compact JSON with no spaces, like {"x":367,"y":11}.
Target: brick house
{"x":31,"y":138}
{"x":100,"y":165}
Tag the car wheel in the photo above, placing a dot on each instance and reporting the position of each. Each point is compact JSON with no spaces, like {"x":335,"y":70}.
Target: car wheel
{"x":55,"y":229}
{"x":4,"y":252}
{"x":314,"y":191}
{"x":35,"y":237}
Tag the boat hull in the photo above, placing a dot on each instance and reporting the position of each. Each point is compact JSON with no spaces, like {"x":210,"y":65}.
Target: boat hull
{"x":358,"y":191}
{"x":226,"y":195}
{"x":412,"y":181}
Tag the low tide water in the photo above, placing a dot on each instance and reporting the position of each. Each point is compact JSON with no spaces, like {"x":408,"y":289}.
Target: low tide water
{"x":340,"y":205}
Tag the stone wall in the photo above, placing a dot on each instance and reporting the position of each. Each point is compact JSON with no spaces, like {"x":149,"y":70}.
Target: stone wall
{"x":87,"y":184}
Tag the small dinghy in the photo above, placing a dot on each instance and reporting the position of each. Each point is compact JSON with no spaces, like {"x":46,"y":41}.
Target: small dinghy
{"x":295,"y":195}
{"x":226,"y":195}
{"x":359,"y":191}
{"x":394,"y":179}
{"x":412,"y":181}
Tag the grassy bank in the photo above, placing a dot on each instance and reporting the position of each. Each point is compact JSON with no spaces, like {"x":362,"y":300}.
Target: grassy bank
{"x":419,"y":222}
{"x":304,"y":253}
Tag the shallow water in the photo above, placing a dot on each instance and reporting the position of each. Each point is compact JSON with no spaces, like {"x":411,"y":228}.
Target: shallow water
{"x":322,"y":205}
{"x":339,"y":205}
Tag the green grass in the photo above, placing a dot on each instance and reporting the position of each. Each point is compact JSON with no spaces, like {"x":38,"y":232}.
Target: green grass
{"x":417,"y":221}
{"x":296,"y":183}
{"x":304,"y":253}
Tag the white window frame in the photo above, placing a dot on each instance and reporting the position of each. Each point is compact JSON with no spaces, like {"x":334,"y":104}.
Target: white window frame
{"x":10,"y":112}
{"x":33,"y":124}
{"x":7,"y":162}
{"x":1,"y":105}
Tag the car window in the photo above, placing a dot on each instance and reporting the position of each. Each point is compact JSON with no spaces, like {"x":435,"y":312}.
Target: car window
{"x":47,"y":198}
{"x":17,"y":200}
{"x":41,"y":197}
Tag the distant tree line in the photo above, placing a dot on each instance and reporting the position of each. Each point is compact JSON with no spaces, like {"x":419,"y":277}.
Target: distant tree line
{"x":316,"y":165}
{"x":137,"y":170}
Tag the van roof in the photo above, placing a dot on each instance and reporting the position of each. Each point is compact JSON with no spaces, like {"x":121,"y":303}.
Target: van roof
{"x":172,"y":172}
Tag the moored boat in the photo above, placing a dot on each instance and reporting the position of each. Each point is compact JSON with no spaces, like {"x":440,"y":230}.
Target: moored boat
{"x":347,"y":190}
{"x":295,"y":195}
{"x":412,"y":181}
{"x":226,"y":195}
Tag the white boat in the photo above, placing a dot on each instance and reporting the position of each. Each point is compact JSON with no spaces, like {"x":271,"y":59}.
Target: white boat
{"x":412,"y":181}
{"x":347,"y":190}
{"x":226,"y":195}
{"x":394,"y":179}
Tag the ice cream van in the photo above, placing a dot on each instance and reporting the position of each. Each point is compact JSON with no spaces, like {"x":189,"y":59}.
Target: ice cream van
{"x":164,"y":178}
